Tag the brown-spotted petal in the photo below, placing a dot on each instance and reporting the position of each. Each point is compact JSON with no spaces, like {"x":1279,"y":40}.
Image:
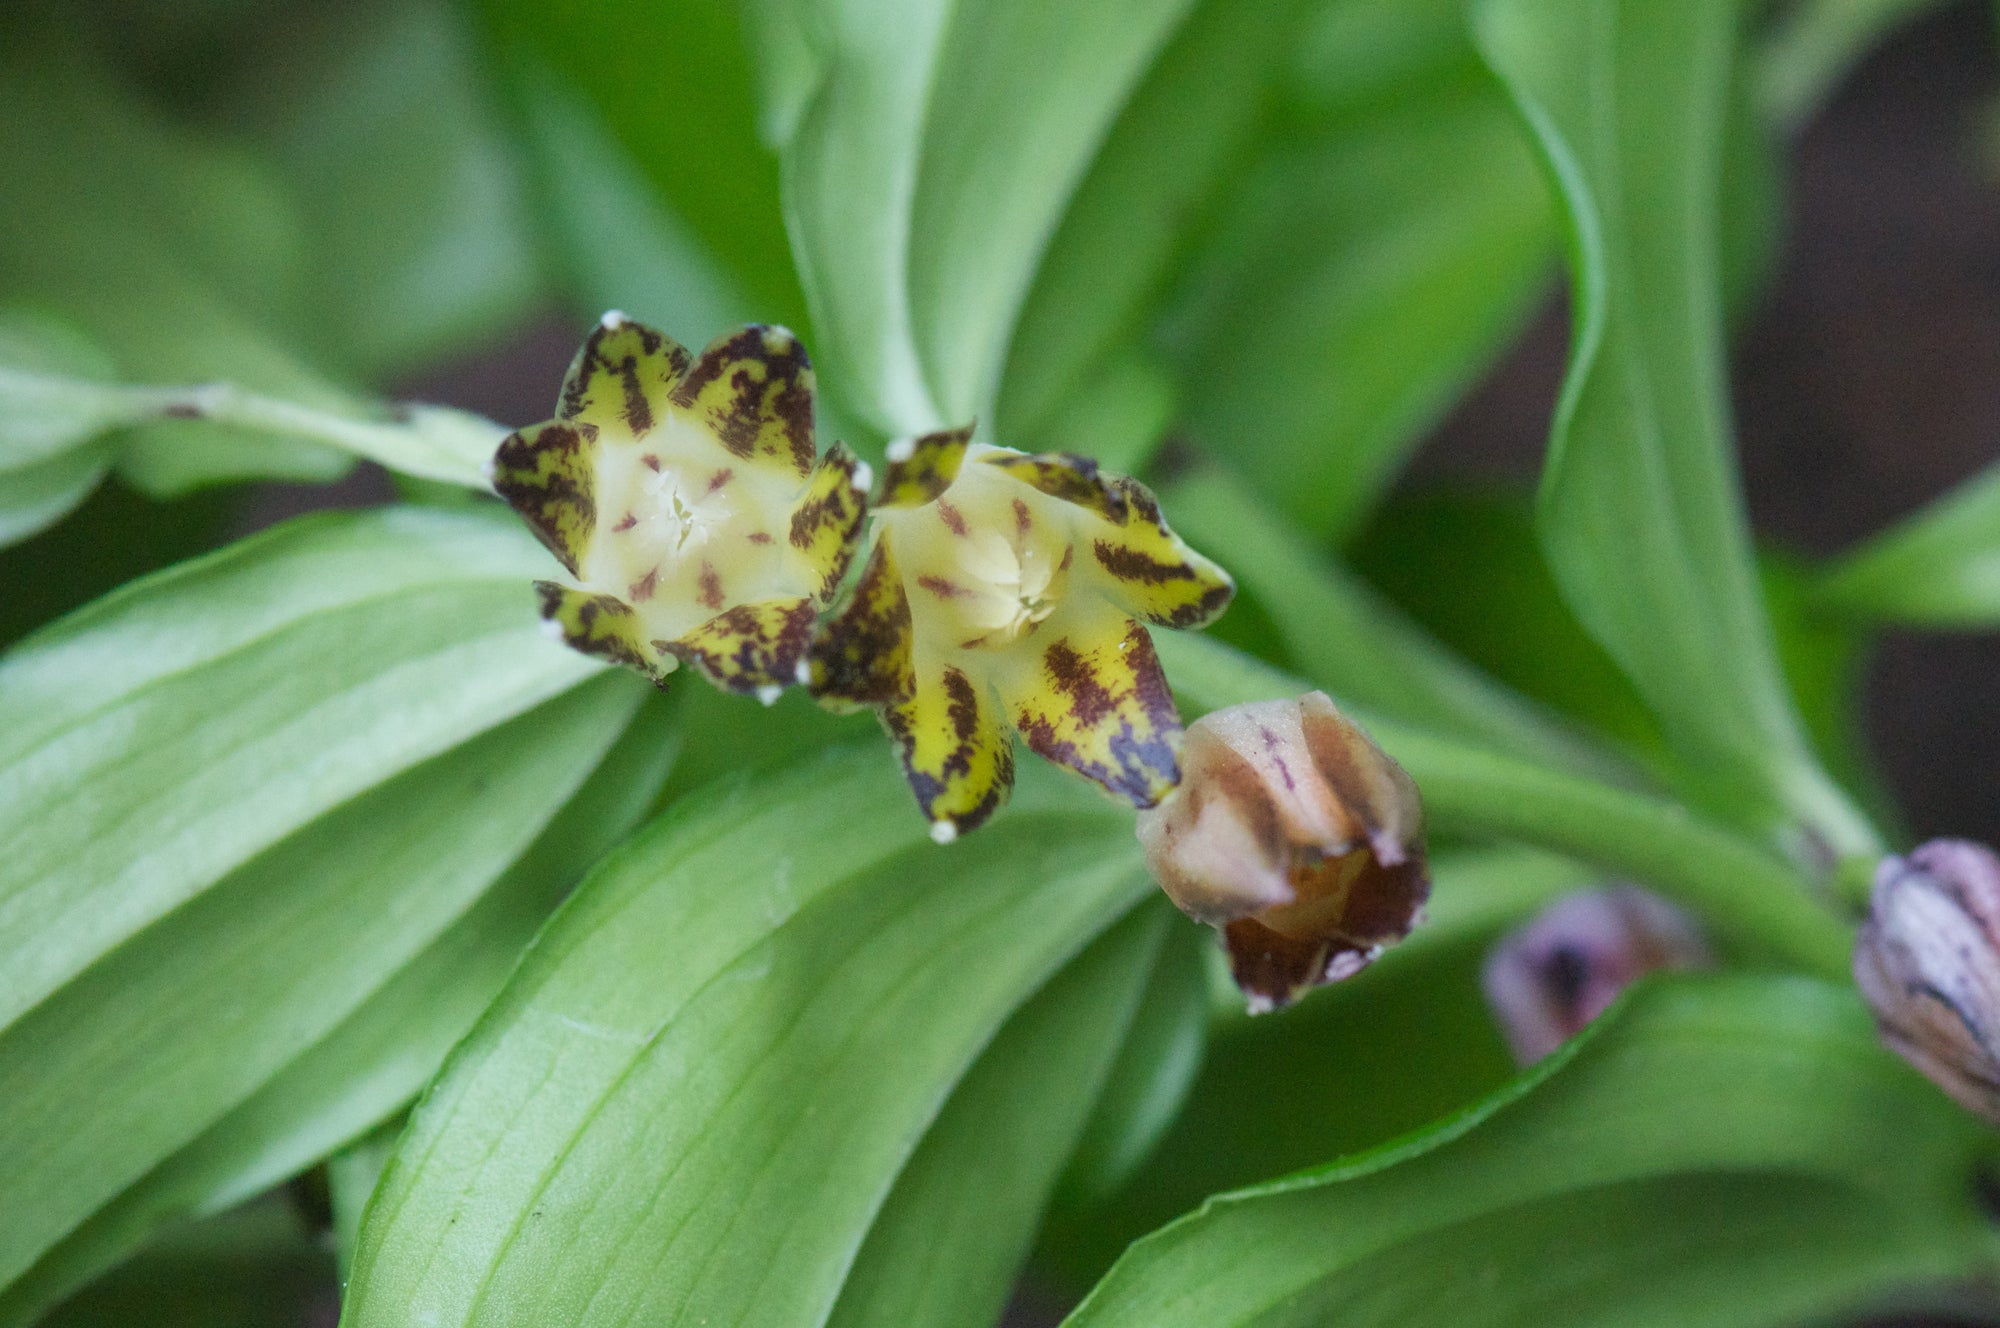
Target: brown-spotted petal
{"x":922,"y":468}
{"x":751,"y":649}
{"x":623,"y":378}
{"x":825,"y":529}
{"x":862,"y":655}
{"x":753,"y":388}
{"x":956,"y":750}
{"x":601,"y":625}
{"x":1151,"y":572}
{"x":548,"y":474}
{"x":1098,"y":704}
{"x":1065,"y":476}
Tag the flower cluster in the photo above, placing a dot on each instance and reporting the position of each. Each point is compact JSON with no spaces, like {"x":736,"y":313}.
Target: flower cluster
{"x":1003,"y":592}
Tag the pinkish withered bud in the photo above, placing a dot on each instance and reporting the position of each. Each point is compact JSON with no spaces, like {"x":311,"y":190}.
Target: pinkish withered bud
{"x":1928,"y":961}
{"x":1549,"y":977}
{"x":1296,"y":837}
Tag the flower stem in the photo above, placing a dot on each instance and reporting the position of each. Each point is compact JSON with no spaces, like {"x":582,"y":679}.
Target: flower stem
{"x":1754,"y":901}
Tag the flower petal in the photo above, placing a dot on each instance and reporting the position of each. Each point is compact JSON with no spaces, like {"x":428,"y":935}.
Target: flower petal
{"x":1376,"y":794}
{"x":956,"y":751}
{"x":863,"y":654}
{"x":1065,"y":476}
{"x":754,"y":389}
{"x":826,"y":524}
{"x":1274,"y":969}
{"x":1153,"y":573}
{"x":601,"y":625}
{"x":1101,"y":707}
{"x":922,"y":468}
{"x":623,"y":377}
{"x":548,"y":474}
{"x":753,"y":649}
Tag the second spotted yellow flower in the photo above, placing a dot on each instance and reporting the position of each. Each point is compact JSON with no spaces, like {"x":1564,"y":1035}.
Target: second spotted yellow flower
{"x":1010,"y":592}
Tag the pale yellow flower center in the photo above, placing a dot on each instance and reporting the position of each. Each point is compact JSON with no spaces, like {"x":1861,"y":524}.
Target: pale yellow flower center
{"x":1012,"y":585}
{"x":987,"y":563}
{"x":678,"y":514}
{"x":684,"y":528}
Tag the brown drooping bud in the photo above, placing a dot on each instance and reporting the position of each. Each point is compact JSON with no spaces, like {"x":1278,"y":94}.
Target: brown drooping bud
{"x":1549,"y":977}
{"x":1295,"y":836}
{"x":1928,"y":960}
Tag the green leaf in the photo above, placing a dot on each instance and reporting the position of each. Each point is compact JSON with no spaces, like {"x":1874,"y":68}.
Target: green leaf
{"x":619,"y":244}
{"x":161,"y":738}
{"x":374,"y":119}
{"x":1362,"y":275}
{"x":1154,"y":1072}
{"x":1467,"y":567}
{"x":950,"y":1238}
{"x":137,"y":1055}
{"x":926,"y":171}
{"x":1641,"y":515}
{"x":175,"y":253}
{"x":37,"y":494}
{"x":1020,"y":99}
{"x":1755,"y":902}
{"x":1179,"y":140}
{"x":351,"y":1177}
{"x":115,"y":535}
{"x":427,"y":442}
{"x":672,"y":86}
{"x":1937,"y":568}
{"x":165,"y":246}
{"x":1719,"y":1151}
{"x":765,"y":995}
{"x":52,"y":453}
{"x":1345,"y":638}
{"x":376,"y":1058}
{"x":1405,"y":1043}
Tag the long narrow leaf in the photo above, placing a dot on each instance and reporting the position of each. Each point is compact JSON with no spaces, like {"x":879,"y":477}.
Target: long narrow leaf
{"x":1641,"y":514}
{"x":1347,"y":639}
{"x":949,"y":1240}
{"x":927,"y":170}
{"x":1938,"y":568}
{"x":164,"y":736}
{"x":700,"y":1085}
{"x":1723,"y":1151}
{"x":134,"y":1058}
{"x":375,"y":1060}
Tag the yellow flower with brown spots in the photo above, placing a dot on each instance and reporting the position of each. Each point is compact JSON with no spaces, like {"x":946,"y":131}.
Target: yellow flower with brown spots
{"x":683,"y":494}
{"x":1009,"y":592}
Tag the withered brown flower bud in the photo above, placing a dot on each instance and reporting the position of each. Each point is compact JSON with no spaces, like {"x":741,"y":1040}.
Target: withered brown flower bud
{"x":1558,"y":971}
{"x":1293,"y":834}
{"x":1928,"y":961}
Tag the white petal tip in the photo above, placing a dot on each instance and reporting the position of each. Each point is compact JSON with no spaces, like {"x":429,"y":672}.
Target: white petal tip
{"x":553,"y":630}
{"x":901,"y":450}
{"x":613,"y":320}
{"x":863,"y":478}
{"x":1259,"y":1004}
{"x":943,"y":832}
{"x":769,"y":693}
{"x":803,"y":673}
